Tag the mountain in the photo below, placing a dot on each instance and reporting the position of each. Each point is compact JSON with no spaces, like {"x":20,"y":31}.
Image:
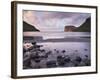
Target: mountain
{"x":28,"y":27}
{"x":85,"y":27}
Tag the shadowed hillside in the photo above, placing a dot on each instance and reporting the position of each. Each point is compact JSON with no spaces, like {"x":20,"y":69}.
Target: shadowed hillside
{"x":85,"y":27}
{"x":28,"y":27}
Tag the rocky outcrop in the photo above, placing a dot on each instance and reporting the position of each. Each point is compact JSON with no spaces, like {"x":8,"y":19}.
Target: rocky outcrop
{"x":69,"y":28}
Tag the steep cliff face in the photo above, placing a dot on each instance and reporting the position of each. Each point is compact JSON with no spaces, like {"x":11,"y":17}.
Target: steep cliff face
{"x":28,"y":27}
{"x":69,"y":28}
{"x":85,"y":27}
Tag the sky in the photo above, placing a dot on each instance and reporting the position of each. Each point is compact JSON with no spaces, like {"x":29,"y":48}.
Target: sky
{"x":54,"y":21}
